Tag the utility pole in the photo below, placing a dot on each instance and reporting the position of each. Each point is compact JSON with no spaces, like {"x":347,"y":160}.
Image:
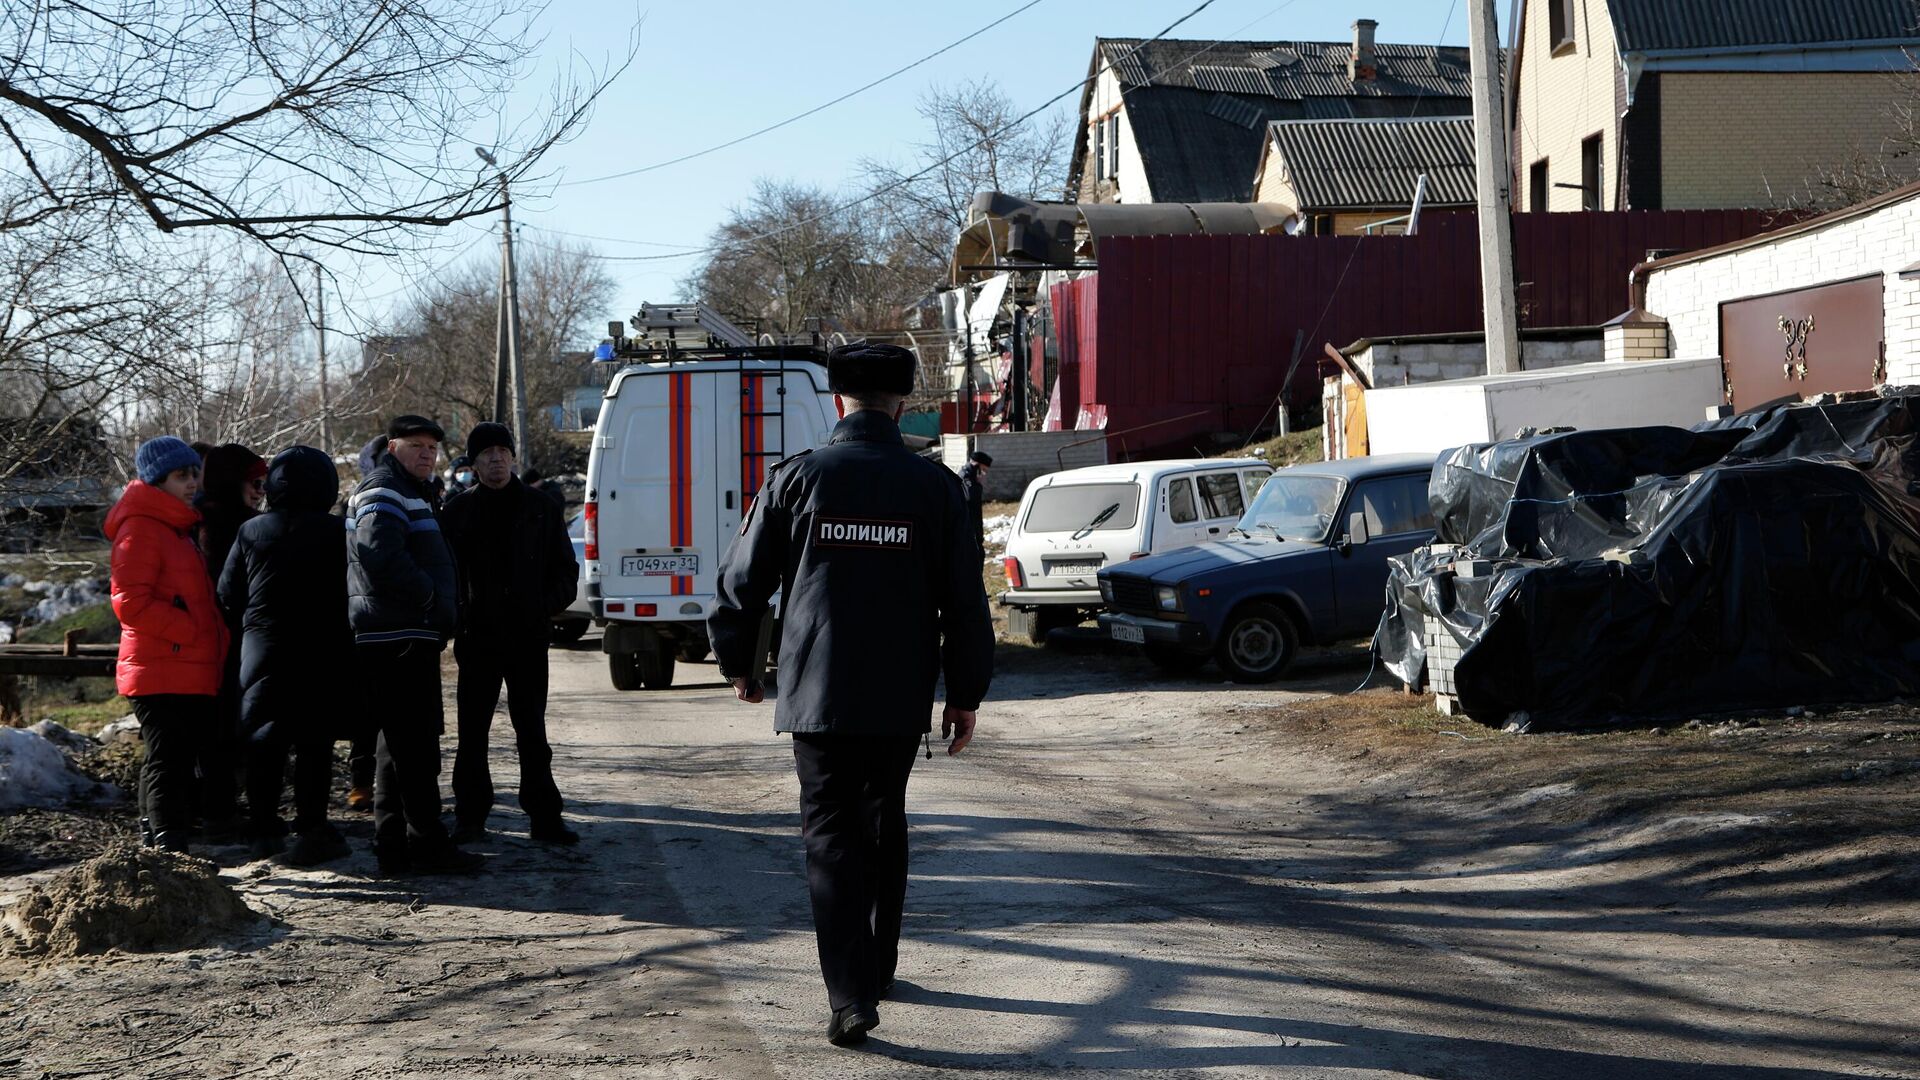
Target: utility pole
{"x":320,"y":331}
{"x":1017,"y":372}
{"x":1493,"y":173}
{"x":509,"y":373}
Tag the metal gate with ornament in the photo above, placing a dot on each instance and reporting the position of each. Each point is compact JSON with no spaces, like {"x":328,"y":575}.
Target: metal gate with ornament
{"x":1796,"y":344}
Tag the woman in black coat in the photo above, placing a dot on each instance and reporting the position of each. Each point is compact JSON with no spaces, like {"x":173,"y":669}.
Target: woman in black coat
{"x":230,"y":495}
{"x":286,"y":583}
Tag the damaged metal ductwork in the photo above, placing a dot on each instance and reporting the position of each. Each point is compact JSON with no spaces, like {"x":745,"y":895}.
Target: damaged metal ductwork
{"x":1610,"y":578}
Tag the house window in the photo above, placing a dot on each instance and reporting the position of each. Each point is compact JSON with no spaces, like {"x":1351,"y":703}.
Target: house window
{"x":1590,"y":173}
{"x":1100,"y":149}
{"x":1113,"y":146}
{"x":1537,"y":187}
{"x":1560,"y":20}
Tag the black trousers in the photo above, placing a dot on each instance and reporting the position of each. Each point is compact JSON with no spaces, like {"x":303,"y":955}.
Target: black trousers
{"x":218,"y":754}
{"x":402,"y":689}
{"x":172,"y":726}
{"x":853,"y":818}
{"x":299,"y":728}
{"x":484,"y":664}
{"x":360,"y":755}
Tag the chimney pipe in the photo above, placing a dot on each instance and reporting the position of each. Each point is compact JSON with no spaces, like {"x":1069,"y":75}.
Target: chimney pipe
{"x":1362,"y":66}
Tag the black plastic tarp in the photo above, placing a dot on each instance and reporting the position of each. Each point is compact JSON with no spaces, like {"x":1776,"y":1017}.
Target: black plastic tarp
{"x":1621,"y":576}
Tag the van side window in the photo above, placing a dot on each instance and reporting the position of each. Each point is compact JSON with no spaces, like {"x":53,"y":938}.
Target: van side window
{"x":1255,"y":480}
{"x":1220,"y":493}
{"x":1180,"y":501}
{"x":1396,"y":505}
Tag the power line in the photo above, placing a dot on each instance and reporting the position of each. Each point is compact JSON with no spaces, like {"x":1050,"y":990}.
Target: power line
{"x":905,"y":180}
{"x":605,"y":239}
{"x":803,"y":115}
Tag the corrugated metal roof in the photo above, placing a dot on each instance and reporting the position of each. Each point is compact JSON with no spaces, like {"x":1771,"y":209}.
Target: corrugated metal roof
{"x":1376,"y":164}
{"x":1198,"y":109}
{"x":1403,"y":69}
{"x":1652,"y":25}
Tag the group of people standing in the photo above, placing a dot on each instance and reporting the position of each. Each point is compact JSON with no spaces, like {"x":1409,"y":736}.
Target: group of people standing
{"x":245,"y":601}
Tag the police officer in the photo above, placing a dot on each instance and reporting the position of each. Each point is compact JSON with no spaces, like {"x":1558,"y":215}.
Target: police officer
{"x":872,"y":549}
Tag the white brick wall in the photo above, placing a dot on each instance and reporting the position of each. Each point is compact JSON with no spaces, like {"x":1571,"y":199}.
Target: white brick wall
{"x":1883,"y":241}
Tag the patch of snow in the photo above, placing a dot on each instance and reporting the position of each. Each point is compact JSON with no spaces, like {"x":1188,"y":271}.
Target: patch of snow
{"x":1259,"y":451}
{"x":125,"y":729}
{"x":6,"y":633}
{"x":998,"y":528}
{"x":63,"y":737}
{"x":35,"y":772}
{"x":60,"y":599}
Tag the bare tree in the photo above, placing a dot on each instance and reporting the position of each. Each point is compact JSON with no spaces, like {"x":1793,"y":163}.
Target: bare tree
{"x":439,"y":355}
{"x":975,"y":143}
{"x":301,"y":123}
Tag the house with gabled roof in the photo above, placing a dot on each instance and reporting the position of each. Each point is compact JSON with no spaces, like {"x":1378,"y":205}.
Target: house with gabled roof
{"x":1346,"y":177}
{"x":1186,"y":121}
{"x":1694,"y":104}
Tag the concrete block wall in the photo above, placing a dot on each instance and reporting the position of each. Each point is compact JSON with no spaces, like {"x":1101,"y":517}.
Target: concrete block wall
{"x":1688,"y":295}
{"x":1404,"y":363}
{"x":1020,"y":456}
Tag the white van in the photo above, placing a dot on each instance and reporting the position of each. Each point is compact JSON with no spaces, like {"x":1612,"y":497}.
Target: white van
{"x":1072,"y":523}
{"x":680,"y":449}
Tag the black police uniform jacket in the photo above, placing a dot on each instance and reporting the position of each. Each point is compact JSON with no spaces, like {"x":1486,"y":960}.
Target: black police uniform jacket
{"x":511,"y":592}
{"x":400,"y":578}
{"x":880,"y":579}
{"x":285,"y":586}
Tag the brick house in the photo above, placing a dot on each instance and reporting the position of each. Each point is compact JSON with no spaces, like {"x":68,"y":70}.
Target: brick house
{"x":1185,"y":121}
{"x":1701,"y":104}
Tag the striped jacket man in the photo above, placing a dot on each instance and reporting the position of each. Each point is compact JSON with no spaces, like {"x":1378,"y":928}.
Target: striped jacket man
{"x":400,"y":574}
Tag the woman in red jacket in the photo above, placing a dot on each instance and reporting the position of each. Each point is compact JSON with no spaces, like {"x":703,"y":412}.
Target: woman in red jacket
{"x":173,"y":642}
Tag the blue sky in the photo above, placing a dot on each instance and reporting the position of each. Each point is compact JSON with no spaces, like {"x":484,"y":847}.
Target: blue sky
{"x":708,"y":72}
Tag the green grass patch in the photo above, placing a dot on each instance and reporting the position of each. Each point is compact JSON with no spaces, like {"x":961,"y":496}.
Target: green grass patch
{"x":86,"y":717}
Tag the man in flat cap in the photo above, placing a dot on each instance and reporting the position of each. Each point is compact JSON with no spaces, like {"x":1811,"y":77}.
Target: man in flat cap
{"x":871,"y":547}
{"x":401,"y":604}
{"x":973,"y":487}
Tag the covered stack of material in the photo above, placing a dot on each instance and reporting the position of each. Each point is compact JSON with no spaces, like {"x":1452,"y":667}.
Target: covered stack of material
{"x":1609,"y":578}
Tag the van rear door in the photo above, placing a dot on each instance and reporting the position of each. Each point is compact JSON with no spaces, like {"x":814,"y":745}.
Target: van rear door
{"x":658,"y":536}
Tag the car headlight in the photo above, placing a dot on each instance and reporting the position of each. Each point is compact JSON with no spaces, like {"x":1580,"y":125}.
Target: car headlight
{"x":1169,"y":596}
{"x":1106,"y":590}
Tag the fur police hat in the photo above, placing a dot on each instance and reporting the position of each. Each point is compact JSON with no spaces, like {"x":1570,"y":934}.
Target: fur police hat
{"x":866,"y":368}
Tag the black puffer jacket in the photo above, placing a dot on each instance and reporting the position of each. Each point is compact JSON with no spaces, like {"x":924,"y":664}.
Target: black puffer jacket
{"x":400,"y":579}
{"x":285,"y":585}
{"x":516,"y":562}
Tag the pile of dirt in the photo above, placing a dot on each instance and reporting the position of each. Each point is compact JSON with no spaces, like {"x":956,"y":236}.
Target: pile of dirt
{"x":131,"y":898}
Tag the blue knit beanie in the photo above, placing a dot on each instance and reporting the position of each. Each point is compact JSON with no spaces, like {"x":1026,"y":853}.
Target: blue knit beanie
{"x":158,"y":457}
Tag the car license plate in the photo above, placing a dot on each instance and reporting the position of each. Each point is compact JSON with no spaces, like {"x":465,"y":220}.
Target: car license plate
{"x":1072,"y":569}
{"x":1129,"y":632}
{"x":659,"y":565}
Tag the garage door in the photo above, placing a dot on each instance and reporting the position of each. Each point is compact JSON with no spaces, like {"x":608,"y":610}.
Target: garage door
{"x":1796,"y":344}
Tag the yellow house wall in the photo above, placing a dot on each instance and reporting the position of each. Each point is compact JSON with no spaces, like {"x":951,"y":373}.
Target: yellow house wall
{"x":1564,"y":99}
{"x":1754,"y":139}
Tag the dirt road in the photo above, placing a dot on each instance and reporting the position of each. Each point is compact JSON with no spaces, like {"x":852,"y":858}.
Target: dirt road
{"x":1122,"y":877}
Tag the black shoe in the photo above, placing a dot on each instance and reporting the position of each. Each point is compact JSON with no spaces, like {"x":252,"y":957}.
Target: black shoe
{"x":393,"y":862}
{"x":316,"y":846}
{"x":448,"y":860}
{"x":469,"y":832}
{"x":267,"y":846}
{"x":850,"y":1025}
{"x":223,"y":830}
{"x":554,"y":832}
{"x":146,"y":832}
{"x":171,"y":840}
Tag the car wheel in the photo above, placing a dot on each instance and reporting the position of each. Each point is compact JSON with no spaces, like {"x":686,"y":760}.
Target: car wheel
{"x":1177,"y":661}
{"x":566,"y":633}
{"x":1024,"y":624}
{"x":1257,"y":644}
{"x":656,"y":669}
{"x":625,"y":669}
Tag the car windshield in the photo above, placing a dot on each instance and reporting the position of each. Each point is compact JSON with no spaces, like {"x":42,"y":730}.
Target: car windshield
{"x":1069,"y":508}
{"x":1294,"y":507}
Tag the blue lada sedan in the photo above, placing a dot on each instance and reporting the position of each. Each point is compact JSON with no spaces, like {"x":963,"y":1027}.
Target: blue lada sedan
{"x":1307,"y":564}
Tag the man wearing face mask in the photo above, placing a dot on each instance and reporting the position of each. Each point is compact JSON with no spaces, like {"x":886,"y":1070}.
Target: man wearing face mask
{"x":402,"y":600}
{"x":459,"y":476}
{"x":516,"y":571}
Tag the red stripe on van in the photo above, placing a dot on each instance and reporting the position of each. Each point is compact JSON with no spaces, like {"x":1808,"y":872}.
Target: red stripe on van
{"x":680,"y":467}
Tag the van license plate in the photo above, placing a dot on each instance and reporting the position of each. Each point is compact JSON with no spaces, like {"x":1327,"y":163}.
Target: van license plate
{"x":659,"y":565}
{"x":1129,"y":632}
{"x":1072,"y":569}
